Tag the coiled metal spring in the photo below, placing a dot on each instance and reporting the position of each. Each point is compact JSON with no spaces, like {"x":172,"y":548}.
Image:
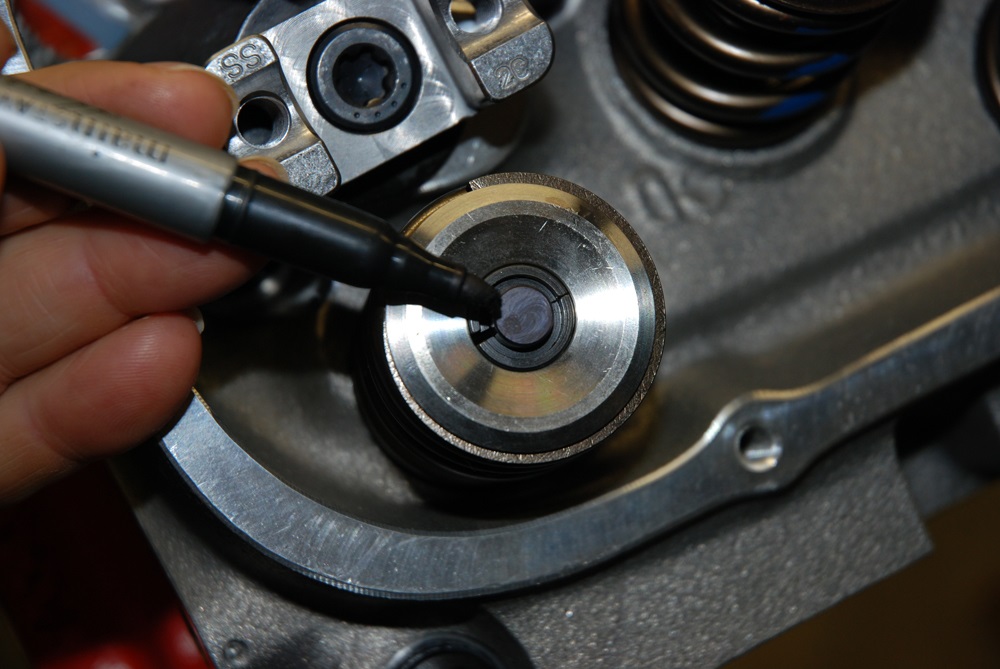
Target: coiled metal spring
{"x":741,"y":72}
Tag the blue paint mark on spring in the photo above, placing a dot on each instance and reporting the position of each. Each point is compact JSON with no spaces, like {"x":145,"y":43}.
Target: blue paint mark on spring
{"x":793,"y":105}
{"x":820,"y":66}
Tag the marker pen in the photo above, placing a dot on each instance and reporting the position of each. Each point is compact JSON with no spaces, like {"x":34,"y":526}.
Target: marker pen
{"x":204,"y":194}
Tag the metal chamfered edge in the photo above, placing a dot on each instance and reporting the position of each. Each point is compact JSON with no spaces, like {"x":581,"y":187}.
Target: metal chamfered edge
{"x":396,"y":563}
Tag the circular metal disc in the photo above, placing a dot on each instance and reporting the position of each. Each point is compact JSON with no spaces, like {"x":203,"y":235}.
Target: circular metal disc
{"x":528,"y":416}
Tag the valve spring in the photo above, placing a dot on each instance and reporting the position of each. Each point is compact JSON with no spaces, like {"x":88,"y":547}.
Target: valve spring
{"x":741,"y":73}
{"x":409,"y":442}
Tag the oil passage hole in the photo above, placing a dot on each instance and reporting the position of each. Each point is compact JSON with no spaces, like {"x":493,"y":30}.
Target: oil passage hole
{"x":476,"y":16}
{"x":364,"y":75}
{"x":759,"y":450}
{"x":262,"y":121}
{"x":447,"y":652}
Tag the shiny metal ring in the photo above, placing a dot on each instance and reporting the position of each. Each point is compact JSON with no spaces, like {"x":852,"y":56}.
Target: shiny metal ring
{"x":482,"y":413}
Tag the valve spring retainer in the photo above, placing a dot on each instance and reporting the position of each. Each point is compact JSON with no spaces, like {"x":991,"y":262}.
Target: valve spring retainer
{"x":741,"y":73}
{"x":465,"y":404}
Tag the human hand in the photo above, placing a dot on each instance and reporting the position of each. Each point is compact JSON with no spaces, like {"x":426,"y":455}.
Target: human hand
{"x":96,"y":351}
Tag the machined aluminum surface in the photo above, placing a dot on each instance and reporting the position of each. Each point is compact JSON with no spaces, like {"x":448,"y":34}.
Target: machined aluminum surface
{"x":290,"y":140}
{"x":460,"y":72}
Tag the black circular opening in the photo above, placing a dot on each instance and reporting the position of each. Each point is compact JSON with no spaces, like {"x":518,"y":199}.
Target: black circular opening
{"x":758,"y":448}
{"x":537,"y":320}
{"x":262,"y":121}
{"x":453,"y":660}
{"x":447,"y":652}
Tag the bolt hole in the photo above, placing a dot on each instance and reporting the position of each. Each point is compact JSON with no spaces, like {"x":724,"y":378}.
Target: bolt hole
{"x":759,"y":450}
{"x":262,"y":121}
{"x":476,"y":16}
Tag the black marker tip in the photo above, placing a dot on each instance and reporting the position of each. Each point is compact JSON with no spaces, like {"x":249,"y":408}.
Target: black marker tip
{"x":480,"y":299}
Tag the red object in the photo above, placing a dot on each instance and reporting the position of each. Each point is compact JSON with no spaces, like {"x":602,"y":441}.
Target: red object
{"x":54,"y":31}
{"x":82,"y":587}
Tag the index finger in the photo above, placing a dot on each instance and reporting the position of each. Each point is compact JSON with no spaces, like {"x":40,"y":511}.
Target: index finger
{"x":180,"y":98}
{"x":176,"y":97}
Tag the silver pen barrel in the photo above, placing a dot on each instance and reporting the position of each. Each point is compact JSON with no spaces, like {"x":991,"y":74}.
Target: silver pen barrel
{"x":126,"y":166}
{"x":202,"y":193}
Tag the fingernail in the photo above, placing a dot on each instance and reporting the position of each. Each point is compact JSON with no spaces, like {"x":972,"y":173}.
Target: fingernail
{"x":234,"y":99}
{"x":194,"y":313}
{"x":177,"y":66}
{"x":268,"y":166}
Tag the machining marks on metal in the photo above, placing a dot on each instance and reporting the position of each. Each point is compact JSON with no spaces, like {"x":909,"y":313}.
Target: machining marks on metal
{"x":502,"y":48}
{"x":366,"y":81}
{"x":572,"y":356}
{"x":741,"y":72}
{"x":269,"y":122}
